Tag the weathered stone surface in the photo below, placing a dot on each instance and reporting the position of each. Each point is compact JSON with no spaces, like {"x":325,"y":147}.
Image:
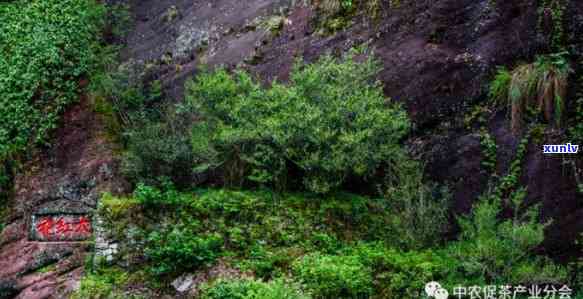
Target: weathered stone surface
{"x":67,"y":179}
{"x":183,"y":283}
{"x":437,"y":55}
{"x":60,"y":227}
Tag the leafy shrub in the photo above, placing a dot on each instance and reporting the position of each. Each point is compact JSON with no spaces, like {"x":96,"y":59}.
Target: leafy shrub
{"x":151,"y":197}
{"x":254,"y":289}
{"x":418,"y":211}
{"x":400,"y":274}
{"x":46,"y":47}
{"x":133,"y":100}
{"x":178,"y":249}
{"x":330,"y":122}
{"x":158,"y":151}
{"x":333,"y":276}
{"x":491,"y":250}
{"x":102,"y":284}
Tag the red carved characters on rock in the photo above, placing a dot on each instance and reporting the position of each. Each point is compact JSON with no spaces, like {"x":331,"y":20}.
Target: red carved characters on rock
{"x":62,"y":228}
{"x":83,"y":226}
{"x":45,"y":227}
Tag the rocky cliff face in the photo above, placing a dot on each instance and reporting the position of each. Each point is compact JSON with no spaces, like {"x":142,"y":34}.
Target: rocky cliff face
{"x":66,"y":179}
{"x":438,"y":57}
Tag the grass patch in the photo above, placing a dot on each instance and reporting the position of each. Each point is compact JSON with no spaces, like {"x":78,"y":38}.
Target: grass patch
{"x":539,"y":86}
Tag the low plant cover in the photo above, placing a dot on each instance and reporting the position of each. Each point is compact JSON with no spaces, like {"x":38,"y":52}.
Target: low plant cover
{"x":336,"y":15}
{"x":334,"y":276}
{"x":330,"y":122}
{"x":339,"y":246}
{"x":46,"y":47}
{"x":254,"y":289}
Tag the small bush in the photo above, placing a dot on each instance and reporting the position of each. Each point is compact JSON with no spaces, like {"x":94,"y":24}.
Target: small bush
{"x":419,"y":211}
{"x":158,"y":151}
{"x":331,"y":276}
{"x":491,"y":250}
{"x":330,"y":122}
{"x":102,"y":284}
{"x":400,"y":274}
{"x":254,"y":289}
{"x":179,"y":249}
{"x":343,"y":10}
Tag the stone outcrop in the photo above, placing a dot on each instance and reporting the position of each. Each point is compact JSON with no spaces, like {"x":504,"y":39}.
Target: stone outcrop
{"x":66,"y":178}
{"x":438,"y":57}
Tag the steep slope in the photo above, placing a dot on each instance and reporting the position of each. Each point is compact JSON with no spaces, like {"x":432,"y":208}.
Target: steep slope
{"x":438,"y":59}
{"x":66,"y":178}
{"x":438,"y":56}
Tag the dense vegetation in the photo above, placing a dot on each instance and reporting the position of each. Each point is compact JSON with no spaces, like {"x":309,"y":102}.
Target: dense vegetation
{"x":329,"y":122}
{"x":340,"y":246}
{"x":301,"y":190}
{"x":46,"y":48}
{"x":322,"y":242}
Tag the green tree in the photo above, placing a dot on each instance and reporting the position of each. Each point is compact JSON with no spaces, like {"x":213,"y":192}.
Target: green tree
{"x":330,"y":122}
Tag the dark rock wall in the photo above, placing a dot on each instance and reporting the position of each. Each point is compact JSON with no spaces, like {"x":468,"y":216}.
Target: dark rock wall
{"x":438,"y":57}
{"x":66,"y":178}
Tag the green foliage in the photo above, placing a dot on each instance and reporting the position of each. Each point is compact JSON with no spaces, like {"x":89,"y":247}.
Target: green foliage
{"x":554,"y":11}
{"x":489,"y":149}
{"x":104,"y":283}
{"x":575,"y":131}
{"x":332,"y":276}
{"x":477,"y":117}
{"x":371,"y":270}
{"x":491,"y":250}
{"x":266,"y":232}
{"x":46,"y":47}
{"x":158,"y":151}
{"x":339,"y":246}
{"x":336,"y":15}
{"x":267,"y":262}
{"x":401,"y":274}
{"x":418,"y":210}
{"x":6,"y":189}
{"x":117,"y":207}
{"x":509,"y":182}
{"x":330,"y":122}
{"x":119,"y":19}
{"x":122,"y":85}
{"x":539,"y":86}
{"x":500,"y":86}
{"x":177,"y":249}
{"x":254,"y":289}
